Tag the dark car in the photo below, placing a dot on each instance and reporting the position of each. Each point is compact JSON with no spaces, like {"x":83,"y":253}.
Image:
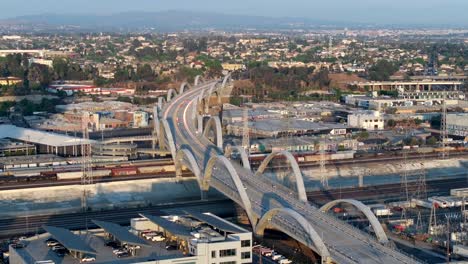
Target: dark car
{"x":171,"y":247}
{"x":50,"y":240}
{"x":123,"y":255}
{"x":112,"y":244}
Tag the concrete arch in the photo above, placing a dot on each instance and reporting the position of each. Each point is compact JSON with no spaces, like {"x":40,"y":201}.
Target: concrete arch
{"x":161,"y":101}
{"x":295,"y":167}
{"x":185,"y":157}
{"x":156,"y":120}
{"x":226,"y":79}
{"x":171,"y":94}
{"x":378,"y":229}
{"x":240,"y":189}
{"x":214,"y":124}
{"x":166,"y":133}
{"x":183,"y":87}
{"x":198,"y":78}
{"x":243,"y":154}
{"x":312,"y":234}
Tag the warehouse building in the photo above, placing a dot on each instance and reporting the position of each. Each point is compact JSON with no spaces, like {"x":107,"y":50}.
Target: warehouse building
{"x":45,"y":142}
{"x":369,"y":120}
{"x":457,"y":124}
{"x":287,"y":127}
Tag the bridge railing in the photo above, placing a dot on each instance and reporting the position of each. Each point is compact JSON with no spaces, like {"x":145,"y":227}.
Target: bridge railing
{"x":388,"y":250}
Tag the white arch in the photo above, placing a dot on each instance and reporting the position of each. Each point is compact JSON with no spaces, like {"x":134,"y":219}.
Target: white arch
{"x":156,"y":120}
{"x":244,"y":157}
{"x":225,"y":80}
{"x":198,"y":78}
{"x":378,"y":229}
{"x":183,"y":87}
{"x":295,"y":167}
{"x":240,"y":190}
{"x":189,"y":162}
{"x":171,"y":94}
{"x":214,"y":123}
{"x":167,"y":132}
{"x":314,"y":238}
{"x":161,"y":101}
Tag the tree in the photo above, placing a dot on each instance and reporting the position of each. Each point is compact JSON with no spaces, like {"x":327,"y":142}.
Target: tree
{"x":382,"y":70}
{"x":60,"y":67}
{"x":391,"y":123}
{"x":432,"y":141}
{"x":145,"y":73}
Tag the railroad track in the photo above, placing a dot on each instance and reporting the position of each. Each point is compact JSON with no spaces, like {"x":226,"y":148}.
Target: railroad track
{"x":385,"y":190}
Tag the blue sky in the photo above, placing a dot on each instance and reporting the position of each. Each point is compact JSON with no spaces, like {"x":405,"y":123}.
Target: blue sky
{"x":367,"y":11}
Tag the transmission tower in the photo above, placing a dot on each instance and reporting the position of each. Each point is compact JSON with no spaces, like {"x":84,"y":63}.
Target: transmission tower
{"x":404,"y":177}
{"x":323,"y":169}
{"x":419,"y":223}
{"x":421,"y":190}
{"x":245,"y":131}
{"x":443,"y":127}
{"x":86,"y":167}
{"x":432,"y":218}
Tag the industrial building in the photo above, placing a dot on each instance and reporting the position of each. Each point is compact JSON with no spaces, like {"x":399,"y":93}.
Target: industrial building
{"x":457,"y":124}
{"x":369,"y":120}
{"x":287,"y":127}
{"x":197,"y":238}
{"x":45,"y":142}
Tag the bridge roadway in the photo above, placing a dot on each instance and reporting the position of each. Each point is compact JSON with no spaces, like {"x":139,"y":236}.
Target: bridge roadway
{"x":344,"y":244}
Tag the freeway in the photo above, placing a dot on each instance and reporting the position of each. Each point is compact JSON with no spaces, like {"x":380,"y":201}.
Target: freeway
{"x":341,"y":242}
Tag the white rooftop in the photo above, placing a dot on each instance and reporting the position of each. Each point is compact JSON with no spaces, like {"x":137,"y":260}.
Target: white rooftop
{"x":40,"y":137}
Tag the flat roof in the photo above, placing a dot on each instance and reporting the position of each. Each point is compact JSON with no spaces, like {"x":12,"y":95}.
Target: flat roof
{"x":69,"y":240}
{"x":173,"y":228}
{"x":40,"y":137}
{"x":216,"y":222}
{"x":278,"y":125}
{"x":121,"y":233}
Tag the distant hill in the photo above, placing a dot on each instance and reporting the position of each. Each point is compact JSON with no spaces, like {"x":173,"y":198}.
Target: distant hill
{"x":164,"y":21}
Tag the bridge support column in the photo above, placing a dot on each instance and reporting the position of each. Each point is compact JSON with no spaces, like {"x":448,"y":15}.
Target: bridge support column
{"x":203,"y":195}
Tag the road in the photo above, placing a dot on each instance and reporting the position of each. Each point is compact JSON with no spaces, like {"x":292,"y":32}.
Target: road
{"x":345,"y":244}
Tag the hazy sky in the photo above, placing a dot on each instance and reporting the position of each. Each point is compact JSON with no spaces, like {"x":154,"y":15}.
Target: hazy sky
{"x":368,"y":11}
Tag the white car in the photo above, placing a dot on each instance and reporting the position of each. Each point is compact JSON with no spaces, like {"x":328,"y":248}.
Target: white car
{"x":157,"y":238}
{"x":88,"y":259}
{"x":284,"y":261}
{"x":119,"y":251}
{"x":276,"y":257}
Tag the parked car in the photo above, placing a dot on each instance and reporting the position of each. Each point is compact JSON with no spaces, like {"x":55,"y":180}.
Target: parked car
{"x":120,"y":251}
{"x":112,"y":244}
{"x":53,"y":243}
{"x":88,"y":259}
{"x":276,"y":257}
{"x":157,"y":238}
{"x":123,"y":255}
{"x":171,"y":247}
{"x":58,"y":247}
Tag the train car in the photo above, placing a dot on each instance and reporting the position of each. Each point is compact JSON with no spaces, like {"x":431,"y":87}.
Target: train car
{"x":156,"y":169}
{"x":124,"y":171}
